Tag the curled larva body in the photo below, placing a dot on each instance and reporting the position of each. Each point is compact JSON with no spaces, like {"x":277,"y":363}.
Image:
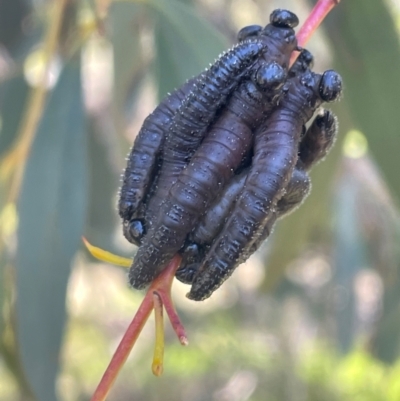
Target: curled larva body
{"x":318,"y":139}
{"x":198,"y":110}
{"x":209,"y":229}
{"x":200,"y":240}
{"x":314,"y":145}
{"x":275,"y":156}
{"x":185,"y":131}
{"x":142,"y":174}
{"x":141,"y":179}
{"x":141,"y":169}
{"x":196,"y":184}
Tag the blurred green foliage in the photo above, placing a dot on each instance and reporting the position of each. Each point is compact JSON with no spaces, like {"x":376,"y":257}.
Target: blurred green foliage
{"x":315,"y":315}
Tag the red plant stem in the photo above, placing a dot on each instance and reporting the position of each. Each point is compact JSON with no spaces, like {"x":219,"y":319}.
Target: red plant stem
{"x":161,"y":285}
{"x":123,"y":350}
{"x":173,"y":317}
{"x":314,"y":20}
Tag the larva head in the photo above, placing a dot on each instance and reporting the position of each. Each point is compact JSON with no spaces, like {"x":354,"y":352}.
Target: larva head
{"x":307,"y":90}
{"x":279,"y":36}
{"x":192,"y":255}
{"x":330,"y":87}
{"x":307,"y":58}
{"x":304,"y":62}
{"x":249,"y":32}
{"x":270,"y":76}
{"x":283,"y":19}
{"x":133,"y":231}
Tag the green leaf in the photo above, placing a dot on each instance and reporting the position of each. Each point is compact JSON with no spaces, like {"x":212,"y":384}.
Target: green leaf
{"x":367,"y":55}
{"x":14,"y":95}
{"x":385,"y":343}
{"x":103,"y":183}
{"x":126,"y":23}
{"x":3,"y":289}
{"x":51,"y":209}
{"x":185,"y":44}
{"x":12,"y":15}
{"x":350,"y":257}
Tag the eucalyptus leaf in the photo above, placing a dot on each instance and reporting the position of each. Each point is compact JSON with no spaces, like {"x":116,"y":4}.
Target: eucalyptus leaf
{"x":103,"y":181}
{"x":385,"y":342}
{"x":51,"y":208}
{"x":366,"y":47}
{"x":350,"y":257}
{"x":185,"y":44}
{"x":3,"y":290}
{"x":126,"y":22}
{"x":13,"y":102}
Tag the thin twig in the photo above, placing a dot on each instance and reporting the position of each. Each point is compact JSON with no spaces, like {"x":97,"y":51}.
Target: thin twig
{"x":161,"y":286}
{"x":314,"y":20}
{"x":16,"y":158}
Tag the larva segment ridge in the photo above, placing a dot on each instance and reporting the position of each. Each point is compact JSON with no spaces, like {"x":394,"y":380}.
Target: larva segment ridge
{"x":198,"y":110}
{"x":200,"y":240}
{"x":314,"y":146}
{"x":220,"y":154}
{"x":272,"y":166}
{"x":217,"y":157}
{"x":185,"y":133}
{"x":142,"y":161}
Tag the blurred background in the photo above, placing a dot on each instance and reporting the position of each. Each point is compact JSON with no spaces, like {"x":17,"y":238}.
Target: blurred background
{"x":314,"y":315}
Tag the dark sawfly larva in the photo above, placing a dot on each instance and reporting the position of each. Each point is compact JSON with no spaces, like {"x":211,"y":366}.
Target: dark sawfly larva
{"x":142,"y":162}
{"x":141,"y":176}
{"x":317,"y":142}
{"x":189,"y":125}
{"x":197,"y":183}
{"x":275,"y":157}
{"x":205,"y":93}
{"x":296,"y":187}
{"x":313,"y":147}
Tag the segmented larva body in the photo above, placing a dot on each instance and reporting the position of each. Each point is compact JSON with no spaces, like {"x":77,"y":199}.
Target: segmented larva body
{"x":202,"y":153}
{"x":184,"y":136}
{"x":145,"y":182}
{"x":208,"y":229}
{"x":275,"y":156}
{"x":194,"y":185}
{"x":141,"y":168}
{"x":197,"y":111}
{"x":313,"y":147}
{"x":318,"y":139}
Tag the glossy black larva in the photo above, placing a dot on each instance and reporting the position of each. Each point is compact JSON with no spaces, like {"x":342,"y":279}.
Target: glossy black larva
{"x":141,"y":167}
{"x":275,"y":157}
{"x":313,"y":147}
{"x":223,"y":157}
{"x":172,"y":132}
{"x":189,"y":125}
{"x":214,"y":154}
